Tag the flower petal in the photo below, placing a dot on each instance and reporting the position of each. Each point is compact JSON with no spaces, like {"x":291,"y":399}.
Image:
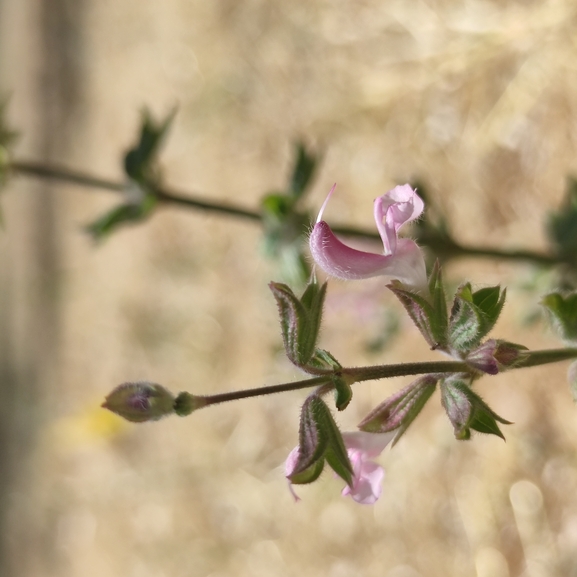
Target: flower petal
{"x":400,"y":205}
{"x":339,"y":260}
{"x":371,"y":444}
{"x":289,"y":466}
{"x":368,"y":486}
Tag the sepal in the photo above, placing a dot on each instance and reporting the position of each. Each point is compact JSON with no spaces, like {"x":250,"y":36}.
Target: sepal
{"x":421,"y":313}
{"x":401,"y":409}
{"x":467,"y":410}
{"x":495,"y":356}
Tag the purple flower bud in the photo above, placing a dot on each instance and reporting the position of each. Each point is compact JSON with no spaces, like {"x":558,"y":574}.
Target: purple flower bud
{"x":140,"y":402}
{"x":401,"y":259}
{"x":495,"y":356}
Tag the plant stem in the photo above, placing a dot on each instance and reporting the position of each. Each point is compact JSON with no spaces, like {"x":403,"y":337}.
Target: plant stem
{"x":441,"y":245}
{"x":537,"y":358}
{"x":359,"y":374}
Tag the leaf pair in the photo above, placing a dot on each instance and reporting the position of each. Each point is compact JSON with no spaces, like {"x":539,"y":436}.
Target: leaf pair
{"x":141,"y":168}
{"x":300,"y":321}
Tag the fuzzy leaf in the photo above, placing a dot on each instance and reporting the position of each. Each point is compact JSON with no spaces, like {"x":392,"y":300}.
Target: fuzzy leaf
{"x":562,"y":311}
{"x":467,"y":410}
{"x":420,"y":311}
{"x":312,"y":439}
{"x":343,"y":392}
{"x":439,"y":319}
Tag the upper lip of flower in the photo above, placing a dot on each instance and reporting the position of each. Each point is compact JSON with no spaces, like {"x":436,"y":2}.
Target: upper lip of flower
{"x":401,"y":259}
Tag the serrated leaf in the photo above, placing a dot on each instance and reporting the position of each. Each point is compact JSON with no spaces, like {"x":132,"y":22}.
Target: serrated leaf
{"x":562,"y":310}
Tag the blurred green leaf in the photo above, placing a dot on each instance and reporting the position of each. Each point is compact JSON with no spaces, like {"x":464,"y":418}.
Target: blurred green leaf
{"x":303,"y":171}
{"x":562,"y":224}
{"x":562,"y":310}
{"x":139,"y":161}
{"x":131,"y":213}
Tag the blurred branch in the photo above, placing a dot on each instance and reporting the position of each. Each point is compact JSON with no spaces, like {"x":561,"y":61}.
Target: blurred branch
{"x":441,"y":245}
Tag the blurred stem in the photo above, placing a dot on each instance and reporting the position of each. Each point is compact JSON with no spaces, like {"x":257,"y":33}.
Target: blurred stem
{"x":441,"y":245}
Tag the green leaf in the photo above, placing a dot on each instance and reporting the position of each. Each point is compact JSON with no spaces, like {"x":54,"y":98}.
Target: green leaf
{"x":300,"y":321}
{"x":394,"y":412}
{"x":284,"y":229}
{"x":420,"y":311}
{"x":489,"y":301}
{"x":120,"y":215}
{"x":562,"y":225}
{"x":336,"y":452}
{"x":139,"y":160}
{"x":320,"y":438}
{"x":312,"y":439}
{"x":439,"y":319}
{"x":467,"y":410}
{"x":309,"y":475}
{"x":303,"y":171}
{"x":562,"y":311}
{"x":292,"y":319}
{"x":473,"y":315}
{"x":343,"y":392}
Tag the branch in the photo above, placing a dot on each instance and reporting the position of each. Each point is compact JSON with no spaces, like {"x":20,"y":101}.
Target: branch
{"x":441,"y":245}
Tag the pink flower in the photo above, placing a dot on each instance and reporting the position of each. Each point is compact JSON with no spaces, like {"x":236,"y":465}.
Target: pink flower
{"x":401,"y":259}
{"x":367,"y":475}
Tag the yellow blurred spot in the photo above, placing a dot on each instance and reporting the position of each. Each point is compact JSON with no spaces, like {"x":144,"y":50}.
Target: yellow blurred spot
{"x":92,"y":425}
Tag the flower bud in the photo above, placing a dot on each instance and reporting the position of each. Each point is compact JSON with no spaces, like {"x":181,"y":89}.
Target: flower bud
{"x":495,"y":356}
{"x":140,"y":402}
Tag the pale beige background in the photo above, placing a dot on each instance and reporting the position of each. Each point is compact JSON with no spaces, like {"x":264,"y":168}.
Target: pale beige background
{"x":476,"y":98}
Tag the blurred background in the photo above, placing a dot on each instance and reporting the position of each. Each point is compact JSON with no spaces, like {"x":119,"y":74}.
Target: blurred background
{"x":477,"y":99}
